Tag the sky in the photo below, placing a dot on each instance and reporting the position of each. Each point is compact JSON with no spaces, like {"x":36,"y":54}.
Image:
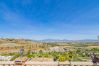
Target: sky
{"x":49,"y":19}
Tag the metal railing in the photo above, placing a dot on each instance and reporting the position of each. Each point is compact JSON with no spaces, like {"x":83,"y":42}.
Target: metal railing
{"x":30,"y":63}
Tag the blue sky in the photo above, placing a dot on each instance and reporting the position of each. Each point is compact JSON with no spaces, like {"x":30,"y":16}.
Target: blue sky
{"x":49,"y":19}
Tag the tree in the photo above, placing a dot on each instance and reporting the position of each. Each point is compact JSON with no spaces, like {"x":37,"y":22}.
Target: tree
{"x":21,"y":51}
{"x":98,"y":37}
{"x":62,"y":58}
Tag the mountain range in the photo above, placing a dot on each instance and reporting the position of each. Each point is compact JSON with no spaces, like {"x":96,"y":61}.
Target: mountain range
{"x":65,"y":40}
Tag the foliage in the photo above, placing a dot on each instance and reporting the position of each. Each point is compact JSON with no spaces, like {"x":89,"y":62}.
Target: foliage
{"x":15,"y":56}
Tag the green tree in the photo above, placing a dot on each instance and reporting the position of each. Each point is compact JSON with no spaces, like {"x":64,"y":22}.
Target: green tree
{"x":62,"y":58}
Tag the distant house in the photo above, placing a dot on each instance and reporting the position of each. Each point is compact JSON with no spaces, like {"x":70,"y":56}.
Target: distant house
{"x":57,"y":49}
{"x":5,"y":58}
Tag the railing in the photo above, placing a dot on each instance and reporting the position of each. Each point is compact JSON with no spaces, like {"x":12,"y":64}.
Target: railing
{"x":30,"y":63}
{"x":59,"y":64}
